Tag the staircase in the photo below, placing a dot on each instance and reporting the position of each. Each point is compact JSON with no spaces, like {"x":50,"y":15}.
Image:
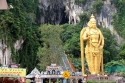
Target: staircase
{"x":65,"y":63}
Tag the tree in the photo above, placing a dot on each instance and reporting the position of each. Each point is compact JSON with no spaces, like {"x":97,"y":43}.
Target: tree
{"x":110,"y":52}
{"x":50,"y":50}
{"x":122,"y":51}
{"x":71,"y":36}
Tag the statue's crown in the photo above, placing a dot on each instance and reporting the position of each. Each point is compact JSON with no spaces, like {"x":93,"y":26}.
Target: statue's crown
{"x":92,"y":18}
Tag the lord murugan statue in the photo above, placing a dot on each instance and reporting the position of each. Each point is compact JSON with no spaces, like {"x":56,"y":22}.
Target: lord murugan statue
{"x":94,"y":47}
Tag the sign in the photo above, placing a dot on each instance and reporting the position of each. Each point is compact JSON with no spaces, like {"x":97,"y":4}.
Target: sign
{"x":66,"y":74}
{"x":12,"y":72}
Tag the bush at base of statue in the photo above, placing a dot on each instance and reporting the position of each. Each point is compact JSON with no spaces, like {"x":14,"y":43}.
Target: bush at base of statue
{"x":28,"y":81}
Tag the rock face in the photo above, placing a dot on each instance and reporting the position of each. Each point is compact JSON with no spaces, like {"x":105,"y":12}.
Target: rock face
{"x":58,"y":12}
{"x":105,"y":18}
{"x":5,"y":52}
{"x":51,"y":11}
{"x":67,"y":11}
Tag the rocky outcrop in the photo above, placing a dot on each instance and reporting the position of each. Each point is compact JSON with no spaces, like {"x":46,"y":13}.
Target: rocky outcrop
{"x":5,"y":52}
{"x":72,"y":11}
{"x":105,"y":18}
{"x":51,"y":11}
{"x":67,"y":11}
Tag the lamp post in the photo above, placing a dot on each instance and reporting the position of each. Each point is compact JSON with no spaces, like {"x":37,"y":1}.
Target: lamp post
{"x":3,"y":5}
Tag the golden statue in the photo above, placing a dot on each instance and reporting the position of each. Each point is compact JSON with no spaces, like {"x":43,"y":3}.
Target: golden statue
{"x":94,"y":47}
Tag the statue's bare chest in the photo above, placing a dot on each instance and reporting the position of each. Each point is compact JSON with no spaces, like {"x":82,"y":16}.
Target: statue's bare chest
{"x":94,"y":34}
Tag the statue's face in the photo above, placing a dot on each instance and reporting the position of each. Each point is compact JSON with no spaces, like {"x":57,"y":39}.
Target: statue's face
{"x":93,"y":24}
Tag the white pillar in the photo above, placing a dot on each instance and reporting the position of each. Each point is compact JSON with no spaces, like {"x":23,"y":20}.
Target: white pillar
{"x":57,"y":80}
{"x":49,"y":80}
{"x":64,"y":81}
{"x":41,"y":80}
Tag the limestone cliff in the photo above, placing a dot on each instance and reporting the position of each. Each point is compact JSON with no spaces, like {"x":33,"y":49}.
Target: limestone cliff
{"x":67,"y":11}
{"x":5,"y":52}
{"x":105,"y":18}
{"x":51,"y":11}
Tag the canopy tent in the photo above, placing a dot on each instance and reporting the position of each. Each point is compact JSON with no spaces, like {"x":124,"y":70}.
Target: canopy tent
{"x":116,"y":68}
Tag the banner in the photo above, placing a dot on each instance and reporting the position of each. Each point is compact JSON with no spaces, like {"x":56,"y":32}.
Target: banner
{"x":12,"y":72}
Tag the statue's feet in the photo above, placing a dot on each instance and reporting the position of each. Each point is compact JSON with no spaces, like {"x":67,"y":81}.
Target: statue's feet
{"x":105,"y":75}
{"x":84,"y":75}
{"x":93,"y":73}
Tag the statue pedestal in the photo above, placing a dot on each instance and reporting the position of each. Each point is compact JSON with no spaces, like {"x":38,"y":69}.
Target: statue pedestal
{"x":90,"y":77}
{"x":97,"y":77}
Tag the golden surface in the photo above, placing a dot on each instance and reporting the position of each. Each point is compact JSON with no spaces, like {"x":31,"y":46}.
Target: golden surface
{"x":94,"y":47}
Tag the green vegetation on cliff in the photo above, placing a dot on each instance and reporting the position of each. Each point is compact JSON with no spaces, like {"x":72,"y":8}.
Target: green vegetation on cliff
{"x":119,"y":17}
{"x":19,"y":23}
{"x":119,"y":24}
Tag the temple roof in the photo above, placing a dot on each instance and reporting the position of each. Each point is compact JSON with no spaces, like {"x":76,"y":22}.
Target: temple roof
{"x":35,"y":71}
